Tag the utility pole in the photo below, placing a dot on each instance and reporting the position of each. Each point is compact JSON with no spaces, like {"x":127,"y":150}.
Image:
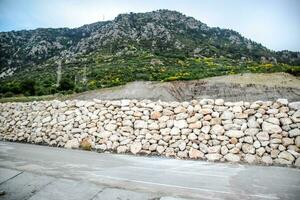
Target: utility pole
{"x":84,"y":79}
{"x":58,"y":72}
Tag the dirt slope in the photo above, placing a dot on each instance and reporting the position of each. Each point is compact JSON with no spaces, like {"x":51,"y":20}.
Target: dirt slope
{"x":246,"y":87}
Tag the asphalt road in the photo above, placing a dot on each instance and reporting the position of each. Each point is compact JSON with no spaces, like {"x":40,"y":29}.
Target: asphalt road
{"x":40,"y":172}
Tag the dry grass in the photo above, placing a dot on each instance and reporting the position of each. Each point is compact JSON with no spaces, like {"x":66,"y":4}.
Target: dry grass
{"x":34,"y":98}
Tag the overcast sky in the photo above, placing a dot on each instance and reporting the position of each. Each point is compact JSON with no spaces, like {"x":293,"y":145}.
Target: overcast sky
{"x":274,"y":23}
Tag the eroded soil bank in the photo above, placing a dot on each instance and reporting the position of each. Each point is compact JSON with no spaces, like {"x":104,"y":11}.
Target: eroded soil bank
{"x":242,"y":87}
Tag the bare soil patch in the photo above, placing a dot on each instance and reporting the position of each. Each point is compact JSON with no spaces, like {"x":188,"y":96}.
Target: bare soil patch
{"x":240,"y":87}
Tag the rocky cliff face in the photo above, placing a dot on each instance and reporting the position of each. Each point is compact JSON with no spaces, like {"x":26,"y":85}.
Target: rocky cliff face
{"x":160,"y":32}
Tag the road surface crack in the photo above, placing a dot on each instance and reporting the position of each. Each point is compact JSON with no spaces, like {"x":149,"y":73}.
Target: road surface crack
{"x":11,"y":177}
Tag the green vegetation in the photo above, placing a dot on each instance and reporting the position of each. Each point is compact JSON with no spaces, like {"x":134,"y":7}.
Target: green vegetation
{"x":22,"y":98}
{"x":161,"y":45}
{"x":99,"y":70}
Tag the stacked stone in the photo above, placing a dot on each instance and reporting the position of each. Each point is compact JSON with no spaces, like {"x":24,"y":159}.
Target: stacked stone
{"x":259,"y":132}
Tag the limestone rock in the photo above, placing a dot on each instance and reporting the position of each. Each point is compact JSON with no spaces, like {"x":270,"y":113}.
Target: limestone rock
{"x":105,"y":134}
{"x":192,"y":136}
{"x":224,"y":150}
{"x":205,"y":129}
{"x":251,"y":131}
{"x":40,"y":140}
{"x":179,"y":109}
{"x":194,"y":153}
{"x":248,"y":139}
{"x":195,"y":125}
{"x":237,"y":109}
{"x":286,"y":155}
{"x":80,"y":104}
{"x":155,"y":115}
{"x":76,"y":130}
{"x":203,"y":147}
{"x":234,"y":133}
{"x":160,"y":149}
{"x":294,"y":132}
{"x":282,"y":161}
{"x":180,"y":124}
{"x":263,"y":136}
{"x":294,"y":153}
{"x":182,"y":145}
{"x":140,"y":124}
{"x":232,"y":157}
{"x":273,"y":120}
{"x":46,"y":119}
{"x":294,"y":105}
{"x":206,"y":111}
{"x":287,"y":141}
{"x":241,"y":115}
{"x":213,"y":156}
{"x":260,"y":151}
{"x":111,"y":127}
{"x":217,"y":130}
{"x":252,"y":123}
{"x":125,"y":102}
{"x":274,"y":153}
{"x":175,"y":131}
{"x":297,"y":141}
{"x":219,"y":102}
{"x":285,"y":121}
{"x":249,"y":158}
{"x":153,"y":126}
{"x":135,"y":147}
{"x":101,"y":147}
{"x":271,"y":128}
{"x":206,"y":102}
{"x":248,"y":148}
{"x":165,"y":131}
{"x":256,"y":144}
{"x":227,"y":115}
{"x":72,"y":144}
{"x":282,"y":101}
{"x":233,"y":140}
{"x":182,"y":154}
{"x":272,"y":111}
{"x":296,"y":116}
{"x":121,"y":149}
{"x":214,"y":149}
{"x":267,"y":160}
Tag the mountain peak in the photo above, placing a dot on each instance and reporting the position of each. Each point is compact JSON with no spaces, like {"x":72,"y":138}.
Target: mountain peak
{"x":162,"y":14}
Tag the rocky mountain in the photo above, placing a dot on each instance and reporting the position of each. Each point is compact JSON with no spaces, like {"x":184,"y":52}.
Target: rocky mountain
{"x":162,"y":33}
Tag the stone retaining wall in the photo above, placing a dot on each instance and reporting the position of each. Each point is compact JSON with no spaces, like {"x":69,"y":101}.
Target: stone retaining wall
{"x":214,"y":130}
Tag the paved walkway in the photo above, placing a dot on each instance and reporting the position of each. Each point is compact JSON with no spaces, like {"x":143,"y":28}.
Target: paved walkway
{"x":40,"y":172}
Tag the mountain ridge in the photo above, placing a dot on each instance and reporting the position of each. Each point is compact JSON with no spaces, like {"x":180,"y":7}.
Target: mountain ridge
{"x":164,"y":35}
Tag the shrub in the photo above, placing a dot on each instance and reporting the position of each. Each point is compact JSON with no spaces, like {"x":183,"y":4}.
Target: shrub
{"x":8,"y":94}
{"x":66,"y":84}
{"x":28,"y":87}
